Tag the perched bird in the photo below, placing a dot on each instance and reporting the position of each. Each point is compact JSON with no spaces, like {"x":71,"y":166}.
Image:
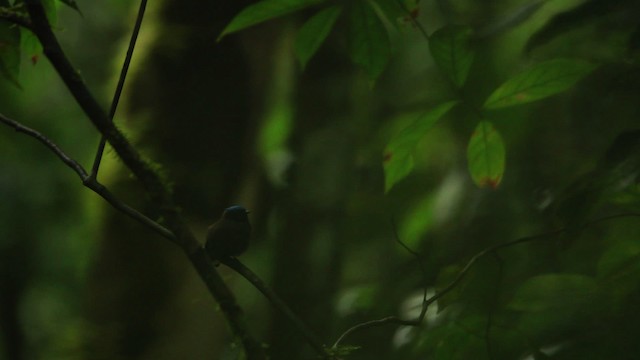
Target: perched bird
{"x":229,"y":236}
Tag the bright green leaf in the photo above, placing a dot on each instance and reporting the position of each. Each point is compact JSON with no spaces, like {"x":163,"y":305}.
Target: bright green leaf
{"x":9,"y":52}
{"x":30,"y":45}
{"x":263,"y":11}
{"x":543,"y":80}
{"x":486,"y":155}
{"x":554,"y":292}
{"x":313,"y":33}
{"x":369,"y":45}
{"x":451,"y":50}
{"x":398,"y":158}
{"x":51,"y":9}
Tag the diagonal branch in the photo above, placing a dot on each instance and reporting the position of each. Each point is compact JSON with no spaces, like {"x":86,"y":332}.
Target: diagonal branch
{"x":91,"y":183}
{"x":120,"y":86}
{"x":275,"y":300}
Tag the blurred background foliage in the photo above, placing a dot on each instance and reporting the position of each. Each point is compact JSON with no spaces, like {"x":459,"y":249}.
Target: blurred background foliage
{"x":240,"y":122}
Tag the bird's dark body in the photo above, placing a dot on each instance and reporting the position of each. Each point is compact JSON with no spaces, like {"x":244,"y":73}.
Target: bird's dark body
{"x":229,"y":236}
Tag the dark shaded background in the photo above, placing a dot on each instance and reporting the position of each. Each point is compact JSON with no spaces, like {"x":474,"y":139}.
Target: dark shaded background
{"x":239,"y":122}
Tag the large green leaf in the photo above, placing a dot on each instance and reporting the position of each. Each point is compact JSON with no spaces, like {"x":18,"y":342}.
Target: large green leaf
{"x":72,"y":4}
{"x":263,"y":11}
{"x":9,"y":52}
{"x":486,"y":155}
{"x":619,"y":260}
{"x":313,"y":33}
{"x":451,"y":51}
{"x":554,"y":292}
{"x":398,"y":158}
{"x":543,"y":80}
{"x":369,"y":44}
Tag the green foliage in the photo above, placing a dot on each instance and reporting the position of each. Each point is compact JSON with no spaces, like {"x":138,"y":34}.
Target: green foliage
{"x":9,"y":52}
{"x":369,"y":45}
{"x":313,"y":33}
{"x":451,"y":50}
{"x":30,"y":46}
{"x":486,"y":155}
{"x":557,"y":292}
{"x":502,"y":308}
{"x":398,"y":155}
{"x":263,"y":11}
{"x":368,"y":40}
{"x":540,"y":81}
{"x":72,"y":4}
{"x":620,"y":260}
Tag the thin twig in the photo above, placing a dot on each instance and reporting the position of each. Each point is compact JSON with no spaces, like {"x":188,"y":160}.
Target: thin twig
{"x":87,"y":181}
{"x":120,"y":86}
{"x":275,"y":300}
{"x":543,"y":236}
{"x":74,"y":165}
{"x":423,"y":311}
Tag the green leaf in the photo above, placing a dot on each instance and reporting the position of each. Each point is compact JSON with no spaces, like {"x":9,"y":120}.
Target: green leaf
{"x":554,"y":292}
{"x":263,"y":11}
{"x":51,"y":9}
{"x":543,"y":80}
{"x":620,"y":259}
{"x":398,"y":158}
{"x":30,"y":45}
{"x":313,"y":33}
{"x":10,"y":52}
{"x":486,"y":156}
{"x":450,"y":49}
{"x":369,"y":45}
{"x":72,"y":4}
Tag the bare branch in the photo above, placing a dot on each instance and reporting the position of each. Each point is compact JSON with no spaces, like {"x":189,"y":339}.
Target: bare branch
{"x":311,"y":338}
{"x":91,"y":183}
{"x":120,"y":86}
{"x":423,"y":311}
{"x":491,"y":249}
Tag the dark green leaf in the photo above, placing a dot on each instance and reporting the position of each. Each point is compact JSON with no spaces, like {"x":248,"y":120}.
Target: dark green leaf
{"x":543,"y":80}
{"x":573,"y":18}
{"x":511,"y":19}
{"x":620,"y":259}
{"x":554,"y":292}
{"x":398,"y":158}
{"x":72,"y":4}
{"x":486,"y":156}
{"x":451,"y":51}
{"x":263,"y":11}
{"x":51,"y":9}
{"x":368,"y":39}
{"x":313,"y":33}
{"x":10,"y":52}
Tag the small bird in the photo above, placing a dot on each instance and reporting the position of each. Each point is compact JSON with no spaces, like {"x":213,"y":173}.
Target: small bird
{"x":229,"y":236}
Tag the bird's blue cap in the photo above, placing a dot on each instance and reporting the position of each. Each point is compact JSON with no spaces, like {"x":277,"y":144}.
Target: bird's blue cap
{"x":236,"y":212}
